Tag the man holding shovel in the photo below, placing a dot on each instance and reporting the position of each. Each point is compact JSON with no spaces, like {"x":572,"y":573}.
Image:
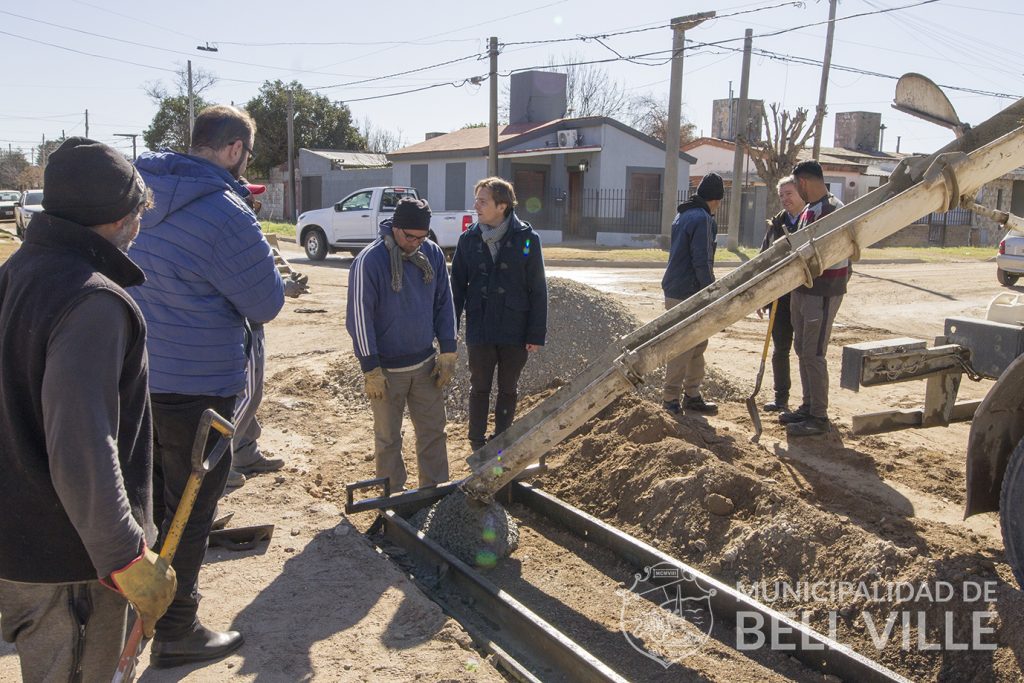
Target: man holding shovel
{"x":781,"y":224}
{"x":75,"y":426}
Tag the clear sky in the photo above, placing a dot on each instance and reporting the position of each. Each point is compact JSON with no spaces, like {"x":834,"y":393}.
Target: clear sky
{"x":62,"y":57}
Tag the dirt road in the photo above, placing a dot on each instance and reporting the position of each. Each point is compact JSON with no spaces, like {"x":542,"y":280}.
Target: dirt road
{"x":319,"y":603}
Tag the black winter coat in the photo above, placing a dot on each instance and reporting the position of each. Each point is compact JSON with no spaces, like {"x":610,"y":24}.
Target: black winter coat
{"x":506,"y":302}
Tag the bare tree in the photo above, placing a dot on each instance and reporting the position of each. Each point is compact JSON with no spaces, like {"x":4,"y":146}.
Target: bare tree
{"x":785,"y":136}
{"x":378,"y":140}
{"x":649,"y":115}
{"x":589,"y":90}
{"x":202,"y":80}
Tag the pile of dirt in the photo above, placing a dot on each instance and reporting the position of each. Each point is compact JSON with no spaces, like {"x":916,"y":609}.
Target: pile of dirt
{"x":582,"y":324}
{"x":722,"y":506}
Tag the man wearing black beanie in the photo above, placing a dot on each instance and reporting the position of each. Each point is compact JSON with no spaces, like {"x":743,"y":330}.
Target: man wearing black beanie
{"x":76,"y":434}
{"x":691,"y":262}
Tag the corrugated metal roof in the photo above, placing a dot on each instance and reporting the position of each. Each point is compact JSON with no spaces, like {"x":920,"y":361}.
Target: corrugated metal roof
{"x":347,"y":159}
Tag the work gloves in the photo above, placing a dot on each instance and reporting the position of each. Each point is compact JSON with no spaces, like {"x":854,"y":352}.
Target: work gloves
{"x":149,"y":583}
{"x":376,"y":384}
{"x":296,"y":284}
{"x":444,"y":369}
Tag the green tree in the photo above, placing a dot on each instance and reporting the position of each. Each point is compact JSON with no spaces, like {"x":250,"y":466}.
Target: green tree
{"x":11,"y":166}
{"x":170,"y":124}
{"x":319,"y":124}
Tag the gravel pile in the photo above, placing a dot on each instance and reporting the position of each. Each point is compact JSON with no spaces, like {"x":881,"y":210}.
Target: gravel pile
{"x":478,"y":535}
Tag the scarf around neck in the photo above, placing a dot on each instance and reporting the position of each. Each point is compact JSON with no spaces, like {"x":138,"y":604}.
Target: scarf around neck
{"x":417,"y":258}
{"x":492,"y":236}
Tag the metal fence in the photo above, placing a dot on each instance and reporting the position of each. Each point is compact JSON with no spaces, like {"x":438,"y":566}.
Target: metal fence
{"x":939,"y":221}
{"x":603,"y":210}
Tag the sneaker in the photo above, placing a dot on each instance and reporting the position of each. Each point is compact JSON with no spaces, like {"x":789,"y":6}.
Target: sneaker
{"x":776,"y":406}
{"x":261,"y":464}
{"x":699,"y":405}
{"x":235,"y":479}
{"x":809,"y":427}
{"x":798,"y":415}
{"x":672,"y":406}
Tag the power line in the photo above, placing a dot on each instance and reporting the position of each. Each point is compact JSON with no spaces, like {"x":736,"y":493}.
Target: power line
{"x":807,"y":61}
{"x":400,"y":73}
{"x":414,"y":90}
{"x":119,"y":60}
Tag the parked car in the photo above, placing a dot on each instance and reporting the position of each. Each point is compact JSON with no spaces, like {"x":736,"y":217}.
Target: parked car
{"x":31,"y":202}
{"x":351,"y":224}
{"x":8,"y":200}
{"x":1010,"y":260}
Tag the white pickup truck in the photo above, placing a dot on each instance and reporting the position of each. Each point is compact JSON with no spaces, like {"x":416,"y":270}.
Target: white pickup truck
{"x":351,"y":224}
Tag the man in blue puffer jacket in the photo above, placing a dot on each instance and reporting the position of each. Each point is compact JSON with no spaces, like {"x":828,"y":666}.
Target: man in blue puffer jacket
{"x":691,"y":263}
{"x":399,"y":304}
{"x":208,"y":269}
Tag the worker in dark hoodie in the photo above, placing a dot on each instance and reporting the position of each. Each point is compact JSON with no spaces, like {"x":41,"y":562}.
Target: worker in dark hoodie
{"x":691,"y":262}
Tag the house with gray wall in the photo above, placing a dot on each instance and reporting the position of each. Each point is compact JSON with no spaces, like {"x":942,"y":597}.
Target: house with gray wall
{"x":574,"y":176}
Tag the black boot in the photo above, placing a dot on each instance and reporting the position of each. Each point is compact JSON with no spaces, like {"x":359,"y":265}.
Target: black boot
{"x":199,"y":645}
{"x":699,"y":405}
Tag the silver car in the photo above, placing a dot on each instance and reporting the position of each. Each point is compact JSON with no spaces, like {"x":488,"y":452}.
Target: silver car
{"x":8,"y":198}
{"x":31,"y":202}
{"x":1010,"y":260}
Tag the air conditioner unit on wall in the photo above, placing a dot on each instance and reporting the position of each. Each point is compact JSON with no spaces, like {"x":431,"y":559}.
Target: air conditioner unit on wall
{"x":567,"y":138}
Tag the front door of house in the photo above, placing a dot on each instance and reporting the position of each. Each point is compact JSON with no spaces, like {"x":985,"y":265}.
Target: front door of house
{"x":530,"y":185}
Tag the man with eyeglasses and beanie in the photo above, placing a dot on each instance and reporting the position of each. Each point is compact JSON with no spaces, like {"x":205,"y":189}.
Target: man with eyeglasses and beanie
{"x":209,"y":270}
{"x":691,"y":268}
{"x":399,"y":306}
{"x":76,"y":450}
{"x":813,"y":310}
{"x":498,"y":280}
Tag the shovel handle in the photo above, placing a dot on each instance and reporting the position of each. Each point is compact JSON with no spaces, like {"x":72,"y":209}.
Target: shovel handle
{"x":125,"y":671}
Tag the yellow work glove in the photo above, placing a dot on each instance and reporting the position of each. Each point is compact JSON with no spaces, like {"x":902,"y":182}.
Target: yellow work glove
{"x":376,"y":384}
{"x":149,"y":583}
{"x":444,"y":369}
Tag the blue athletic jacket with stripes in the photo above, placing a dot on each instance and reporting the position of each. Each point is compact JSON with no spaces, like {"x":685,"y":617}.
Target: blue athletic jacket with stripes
{"x":208,"y":269}
{"x":397,"y":329}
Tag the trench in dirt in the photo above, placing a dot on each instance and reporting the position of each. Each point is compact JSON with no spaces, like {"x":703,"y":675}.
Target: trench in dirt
{"x":581,"y":589}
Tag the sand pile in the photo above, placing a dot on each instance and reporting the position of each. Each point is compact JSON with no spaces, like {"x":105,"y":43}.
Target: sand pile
{"x":719,"y":504}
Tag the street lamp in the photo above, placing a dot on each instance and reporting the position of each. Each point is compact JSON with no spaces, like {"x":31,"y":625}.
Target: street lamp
{"x":207,"y":47}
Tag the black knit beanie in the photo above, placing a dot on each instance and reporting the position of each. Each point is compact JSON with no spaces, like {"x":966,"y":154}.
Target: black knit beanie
{"x":89,"y":183}
{"x":412,"y":214}
{"x":711,"y":187}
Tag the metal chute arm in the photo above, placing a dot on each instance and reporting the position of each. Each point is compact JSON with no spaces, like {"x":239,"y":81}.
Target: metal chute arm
{"x":918,"y":187}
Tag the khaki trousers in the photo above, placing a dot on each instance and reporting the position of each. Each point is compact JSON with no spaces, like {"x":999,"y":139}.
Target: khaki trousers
{"x":415,"y":389}
{"x":685,"y":372}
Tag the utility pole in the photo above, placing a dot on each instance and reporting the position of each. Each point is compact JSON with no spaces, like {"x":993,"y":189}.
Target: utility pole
{"x":492,"y":133}
{"x":742,"y":129}
{"x":132,"y":136}
{"x":86,"y":123}
{"x":42,"y":154}
{"x":291,"y":156}
{"x":670,"y":183}
{"x":820,"y":114}
{"x":191,"y":107}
